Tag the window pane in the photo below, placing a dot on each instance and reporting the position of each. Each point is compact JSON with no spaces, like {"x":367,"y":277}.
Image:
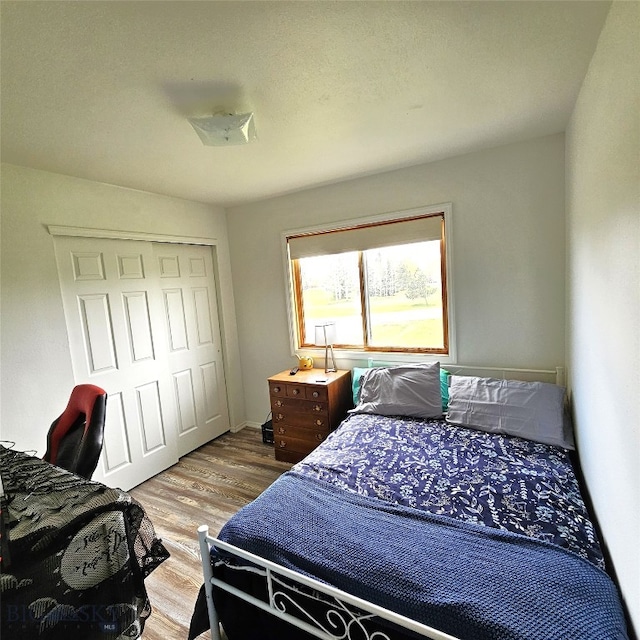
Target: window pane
{"x":404,"y":290}
{"x":331,"y":292}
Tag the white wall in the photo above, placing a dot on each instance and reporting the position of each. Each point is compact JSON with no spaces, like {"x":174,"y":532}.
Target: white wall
{"x":603,"y":287}
{"x":36,"y":376}
{"x":508,"y":255}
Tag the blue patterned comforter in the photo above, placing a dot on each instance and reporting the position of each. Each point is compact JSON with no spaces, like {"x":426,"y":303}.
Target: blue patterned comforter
{"x":500,"y":481}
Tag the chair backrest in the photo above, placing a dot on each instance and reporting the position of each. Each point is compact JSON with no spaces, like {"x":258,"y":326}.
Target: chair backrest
{"x":74,"y":441}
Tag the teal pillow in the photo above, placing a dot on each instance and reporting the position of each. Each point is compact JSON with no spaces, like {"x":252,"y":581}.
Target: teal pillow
{"x":444,"y":389}
{"x":356,"y":374}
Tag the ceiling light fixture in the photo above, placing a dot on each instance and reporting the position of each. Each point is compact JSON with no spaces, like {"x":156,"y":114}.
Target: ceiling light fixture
{"x":224,"y":129}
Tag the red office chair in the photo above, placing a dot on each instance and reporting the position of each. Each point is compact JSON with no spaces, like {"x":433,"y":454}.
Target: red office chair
{"x":74,"y":441}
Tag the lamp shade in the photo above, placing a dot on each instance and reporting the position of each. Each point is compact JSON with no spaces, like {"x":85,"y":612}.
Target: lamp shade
{"x":325,"y":333}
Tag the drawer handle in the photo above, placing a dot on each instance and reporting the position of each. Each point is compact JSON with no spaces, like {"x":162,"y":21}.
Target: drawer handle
{"x":320,"y":436}
{"x":279,"y":417}
{"x":319,"y":423}
{"x":315,"y":394}
{"x":278,"y":403}
{"x":282,"y":444}
{"x":296,"y":392}
{"x":277,"y":389}
{"x":282,"y":430}
{"x":317,"y":407}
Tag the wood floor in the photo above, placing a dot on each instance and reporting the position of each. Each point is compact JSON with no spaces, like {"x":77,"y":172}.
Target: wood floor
{"x":205,"y":487}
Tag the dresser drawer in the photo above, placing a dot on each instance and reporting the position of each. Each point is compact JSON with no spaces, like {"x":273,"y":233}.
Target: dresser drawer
{"x":312,"y":435}
{"x":303,"y":419}
{"x":316,"y":393}
{"x":283,"y":455}
{"x":292,"y":405}
{"x":297,"y":445}
{"x":299,"y":391}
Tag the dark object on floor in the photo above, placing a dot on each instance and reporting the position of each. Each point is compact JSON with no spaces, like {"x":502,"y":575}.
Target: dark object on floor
{"x":267,"y":432}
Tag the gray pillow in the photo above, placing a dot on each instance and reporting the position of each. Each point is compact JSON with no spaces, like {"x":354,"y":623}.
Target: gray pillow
{"x":405,"y":390}
{"x":531,"y":410}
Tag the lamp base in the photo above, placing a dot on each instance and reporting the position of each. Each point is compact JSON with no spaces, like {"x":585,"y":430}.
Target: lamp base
{"x":327,"y":368}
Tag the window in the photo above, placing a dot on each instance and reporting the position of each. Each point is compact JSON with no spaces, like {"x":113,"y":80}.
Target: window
{"x":383,"y":283}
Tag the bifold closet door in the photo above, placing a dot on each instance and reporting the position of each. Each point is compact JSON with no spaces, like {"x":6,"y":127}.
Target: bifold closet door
{"x":143,"y":324}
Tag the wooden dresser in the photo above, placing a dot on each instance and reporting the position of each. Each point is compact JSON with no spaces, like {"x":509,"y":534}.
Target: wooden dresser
{"x":305,"y":408}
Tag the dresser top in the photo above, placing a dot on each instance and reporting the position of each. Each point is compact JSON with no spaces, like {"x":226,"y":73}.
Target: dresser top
{"x":309,"y":376}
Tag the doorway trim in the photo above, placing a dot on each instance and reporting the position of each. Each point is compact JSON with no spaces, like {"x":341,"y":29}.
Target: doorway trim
{"x":113,"y":234}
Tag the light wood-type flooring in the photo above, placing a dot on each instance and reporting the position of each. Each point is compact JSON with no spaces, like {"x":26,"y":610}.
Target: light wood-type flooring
{"x":206,"y":487}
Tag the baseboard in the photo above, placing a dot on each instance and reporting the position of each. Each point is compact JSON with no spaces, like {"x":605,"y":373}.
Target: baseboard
{"x":251,"y":425}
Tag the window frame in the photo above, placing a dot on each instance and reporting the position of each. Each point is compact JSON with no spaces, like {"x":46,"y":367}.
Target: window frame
{"x":294,"y":300}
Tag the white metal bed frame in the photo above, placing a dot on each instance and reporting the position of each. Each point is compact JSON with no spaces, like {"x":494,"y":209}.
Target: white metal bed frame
{"x":340,"y":616}
{"x":343,"y":604}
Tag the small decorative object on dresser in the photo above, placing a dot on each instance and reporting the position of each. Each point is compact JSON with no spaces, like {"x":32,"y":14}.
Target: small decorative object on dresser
{"x":306,"y":408}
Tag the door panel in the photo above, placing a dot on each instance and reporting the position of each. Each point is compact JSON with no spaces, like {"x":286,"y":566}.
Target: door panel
{"x":203,"y":317}
{"x":136,"y":309}
{"x":98,"y":334}
{"x":194,"y":343}
{"x":186,"y":401}
{"x":116,"y":451}
{"x":210,"y":384}
{"x":176,"y":319}
{"x":136,"y":314}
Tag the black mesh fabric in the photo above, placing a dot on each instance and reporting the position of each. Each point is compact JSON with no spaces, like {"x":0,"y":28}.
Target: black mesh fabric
{"x":79,"y":554}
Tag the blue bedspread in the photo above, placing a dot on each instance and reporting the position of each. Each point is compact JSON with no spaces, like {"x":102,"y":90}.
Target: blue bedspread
{"x":500,"y":481}
{"x":469,"y":580}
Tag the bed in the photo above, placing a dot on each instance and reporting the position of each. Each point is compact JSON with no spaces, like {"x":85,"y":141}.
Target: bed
{"x":444,"y":506}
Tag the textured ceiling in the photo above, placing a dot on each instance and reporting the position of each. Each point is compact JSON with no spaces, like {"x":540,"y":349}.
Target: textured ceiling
{"x":101,"y":90}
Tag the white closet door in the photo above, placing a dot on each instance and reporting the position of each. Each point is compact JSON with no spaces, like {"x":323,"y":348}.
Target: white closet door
{"x":121,"y":334}
{"x":194,"y":343}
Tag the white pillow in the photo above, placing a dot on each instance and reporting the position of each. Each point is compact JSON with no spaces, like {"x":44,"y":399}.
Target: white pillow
{"x":531,"y":410}
{"x":406,"y":390}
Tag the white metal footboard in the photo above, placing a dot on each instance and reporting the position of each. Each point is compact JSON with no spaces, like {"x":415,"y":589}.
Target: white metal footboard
{"x":343,"y":604}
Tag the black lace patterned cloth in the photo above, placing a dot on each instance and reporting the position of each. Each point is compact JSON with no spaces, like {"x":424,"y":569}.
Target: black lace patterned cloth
{"x":78,"y":555}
